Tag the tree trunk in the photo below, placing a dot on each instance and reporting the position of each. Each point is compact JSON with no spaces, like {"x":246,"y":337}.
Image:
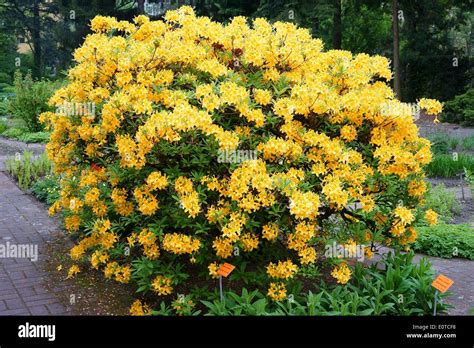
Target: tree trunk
{"x":337,"y":25}
{"x":37,"y":68}
{"x":396,"y":50}
{"x":141,"y":6}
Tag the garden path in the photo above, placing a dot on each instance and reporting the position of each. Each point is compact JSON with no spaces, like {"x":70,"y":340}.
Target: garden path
{"x":9,"y":148}
{"x":25,"y":288}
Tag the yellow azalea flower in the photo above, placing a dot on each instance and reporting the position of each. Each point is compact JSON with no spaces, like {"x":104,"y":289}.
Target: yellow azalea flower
{"x":139,"y":309}
{"x":162,"y":285}
{"x":341,"y":273}
{"x":431,"y":216}
{"x":73,"y":270}
{"x":432,"y":106}
{"x":404,"y":214}
{"x":277,"y":291}
{"x":283,"y":269}
{"x":180,"y":244}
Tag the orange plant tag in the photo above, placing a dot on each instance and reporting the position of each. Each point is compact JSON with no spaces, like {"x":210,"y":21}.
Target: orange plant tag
{"x":442,"y":283}
{"x":225,"y":269}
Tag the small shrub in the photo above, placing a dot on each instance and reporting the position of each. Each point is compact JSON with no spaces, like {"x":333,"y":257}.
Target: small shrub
{"x":439,"y":143}
{"x":37,"y":137}
{"x":13,"y":133}
{"x":460,"y":109}
{"x":443,"y":202}
{"x":31,"y":100}
{"x":446,"y":240}
{"x":46,"y":189}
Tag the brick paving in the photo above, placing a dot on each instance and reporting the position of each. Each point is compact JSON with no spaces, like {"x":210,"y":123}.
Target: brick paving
{"x":24,"y":286}
{"x":462,"y":291}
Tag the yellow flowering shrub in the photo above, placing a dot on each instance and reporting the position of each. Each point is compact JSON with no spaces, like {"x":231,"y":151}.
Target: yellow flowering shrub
{"x":142,"y":182}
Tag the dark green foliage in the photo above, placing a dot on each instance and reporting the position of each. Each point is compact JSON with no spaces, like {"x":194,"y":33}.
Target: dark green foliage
{"x":399,"y":287}
{"x":46,"y":189}
{"x":31,"y":100}
{"x":445,"y":240}
{"x":460,"y":109}
{"x":443,"y":202}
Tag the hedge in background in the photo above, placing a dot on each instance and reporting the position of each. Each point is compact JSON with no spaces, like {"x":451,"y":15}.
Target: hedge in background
{"x":153,"y":181}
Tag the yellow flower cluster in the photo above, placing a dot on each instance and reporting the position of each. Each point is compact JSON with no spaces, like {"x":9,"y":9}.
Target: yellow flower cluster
{"x":325,"y":127}
{"x":148,"y":240}
{"x":282,"y":270}
{"x":304,"y":205}
{"x":157,"y":181}
{"x":147,"y":202}
{"x":162,"y":285}
{"x":177,"y":243}
{"x":277,"y":291}
{"x":249,"y":242}
{"x":139,"y":309}
{"x":270,"y":231}
{"x":432,"y":106}
{"x":189,"y":197}
{"x":213,"y":267}
{"x":416,"y":188}
{"x":73,"y":270}
{"x":431,"y":216}
{"x":341,"y":273}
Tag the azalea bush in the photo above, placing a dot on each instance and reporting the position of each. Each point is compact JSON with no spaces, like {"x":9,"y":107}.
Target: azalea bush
{"x":145,"y":184}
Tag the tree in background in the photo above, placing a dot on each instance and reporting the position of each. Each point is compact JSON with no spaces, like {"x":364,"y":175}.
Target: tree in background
{"x":431,"y":63}
{"x":33,"y":21}
{"x":8,"y":53}
{"x":434,"y":35}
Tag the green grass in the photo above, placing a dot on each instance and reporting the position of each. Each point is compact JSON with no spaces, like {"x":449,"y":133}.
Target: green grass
{"x":23,"y":135}
{"x":445,"y":166}
{"x":446,"y":240}
{"x":442,"y":143}
{"x":468,"y":143}
{"x":443,"y":202}
{"x":3,"y":126}
{"x":26,"y":170}
{"x":46,"y":189}
{"x":37,"y":137}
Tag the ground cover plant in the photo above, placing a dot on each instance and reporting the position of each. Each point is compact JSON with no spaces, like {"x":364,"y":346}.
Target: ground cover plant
{"x":26,"y":169}
{"x":243,"y":143}
{"x":443,"y":202}
{"x":446,"y":240}
{"x":450,"y":166}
